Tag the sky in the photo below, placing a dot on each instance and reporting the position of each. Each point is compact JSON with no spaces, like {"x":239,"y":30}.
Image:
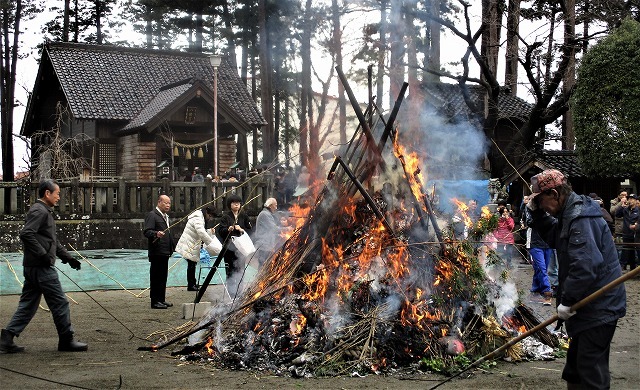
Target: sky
{"x":452,"y":50}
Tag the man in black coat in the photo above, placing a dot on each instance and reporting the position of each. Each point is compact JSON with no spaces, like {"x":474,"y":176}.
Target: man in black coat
{"x":161,"y":247}
{"x":40,"y":275}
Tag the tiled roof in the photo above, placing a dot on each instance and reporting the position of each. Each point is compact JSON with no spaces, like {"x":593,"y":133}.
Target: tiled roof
{"x":566,"y":161}
{"x":116,"y":83}
{"x":448,"y":98}
{"x":163,"y":99}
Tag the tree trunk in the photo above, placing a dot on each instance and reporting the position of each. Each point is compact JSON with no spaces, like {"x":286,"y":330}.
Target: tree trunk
{"x":397,"y":51}
{"x":415,"y":103}
{"x":197,"y":47}
{"x":98,"y":4}
{"x":511,"y":64}
{"x":382,"y":51}
{"x":337,"y":47}
{"x":231,"y":41}
{"x":76,"y":24}
{"x":492,"y":19}
{"x":548,"y":58}
{"x":8,"y":63}
{"x":266,"y":95}
{"x":305,"y":92}
{"x":65,"y":23}
{"x":148,"y":26}
{"x":432,"y":48}
{"x":569,"y":80}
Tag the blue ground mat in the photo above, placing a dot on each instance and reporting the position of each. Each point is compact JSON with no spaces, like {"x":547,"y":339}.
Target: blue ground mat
{"x":113,"y":268}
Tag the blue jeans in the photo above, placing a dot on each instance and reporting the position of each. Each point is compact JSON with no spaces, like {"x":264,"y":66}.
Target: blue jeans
{"x":540,"y":259}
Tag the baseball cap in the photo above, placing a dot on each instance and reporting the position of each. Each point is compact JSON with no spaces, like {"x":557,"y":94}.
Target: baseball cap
{"x":632,"y":196}
{"x":546,"y":180}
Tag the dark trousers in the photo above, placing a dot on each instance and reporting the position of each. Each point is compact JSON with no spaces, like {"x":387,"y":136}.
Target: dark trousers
{"x":158,"y":278}
{"x":191,"y":273}
{"x":38,"y":282}
{"x":588,"y":357}
{"x":628,"y":253}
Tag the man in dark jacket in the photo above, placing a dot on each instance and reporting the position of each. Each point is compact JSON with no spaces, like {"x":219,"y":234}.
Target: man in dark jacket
{"x":587,"y":262}
{"x":161,"y":247}
{"x":629,"y":212}
{"x":40,"y":276}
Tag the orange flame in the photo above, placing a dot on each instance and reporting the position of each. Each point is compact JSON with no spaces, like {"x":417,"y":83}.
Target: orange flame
{"x":208,"y":345}
{"x":297,"y":325}
{"x":462,"y":212}
{"x":411,"y":164}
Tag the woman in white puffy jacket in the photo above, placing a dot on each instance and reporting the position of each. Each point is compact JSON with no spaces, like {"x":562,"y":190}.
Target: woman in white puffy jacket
{"x":194,"y":237}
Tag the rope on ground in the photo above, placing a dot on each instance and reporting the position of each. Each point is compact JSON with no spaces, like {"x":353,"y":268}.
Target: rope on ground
{"x":18,"y":279}
{"x":21,"y":285}
{"x":99,"y":304}
{"x":49,"y":380}
{"x":99,"y":270}
{"x":143,"y":291}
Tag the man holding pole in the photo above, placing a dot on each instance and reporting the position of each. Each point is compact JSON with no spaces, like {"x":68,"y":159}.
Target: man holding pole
{"x":587,"y":261}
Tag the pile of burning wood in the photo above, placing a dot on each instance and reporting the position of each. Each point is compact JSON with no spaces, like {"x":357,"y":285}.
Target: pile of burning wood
{"x":363,"y":285}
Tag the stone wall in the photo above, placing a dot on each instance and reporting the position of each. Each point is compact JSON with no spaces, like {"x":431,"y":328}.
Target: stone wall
{"x":87,"y":234}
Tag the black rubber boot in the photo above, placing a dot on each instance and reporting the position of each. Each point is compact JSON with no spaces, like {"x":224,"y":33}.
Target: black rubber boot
{"x":6,"y":343}
{"x":68,"y":344}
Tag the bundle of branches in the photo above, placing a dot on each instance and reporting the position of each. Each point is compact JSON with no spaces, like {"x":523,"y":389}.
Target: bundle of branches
{"x":351,"y":296}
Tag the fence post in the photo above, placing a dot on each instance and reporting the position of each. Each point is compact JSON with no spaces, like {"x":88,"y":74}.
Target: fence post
{"x":208,"y":191}
{"x":74,"y":202}
{"x":165,"y":185}
{"x":122,"y":195}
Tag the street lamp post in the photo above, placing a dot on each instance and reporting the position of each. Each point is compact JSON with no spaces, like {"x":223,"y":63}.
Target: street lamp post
{"x":215,"y":63}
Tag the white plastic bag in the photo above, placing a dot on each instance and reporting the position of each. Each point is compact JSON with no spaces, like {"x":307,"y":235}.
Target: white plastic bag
{"x":243,"y":244}
{"x":214,"y":247}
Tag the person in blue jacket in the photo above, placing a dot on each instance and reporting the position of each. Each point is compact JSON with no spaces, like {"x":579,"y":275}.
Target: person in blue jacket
{"x":587,"y":261}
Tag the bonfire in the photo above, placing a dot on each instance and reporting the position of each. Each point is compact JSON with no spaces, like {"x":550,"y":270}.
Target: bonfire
{"x":365,"y":285}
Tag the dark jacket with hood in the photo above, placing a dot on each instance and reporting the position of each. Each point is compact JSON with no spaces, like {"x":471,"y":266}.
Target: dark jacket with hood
{"x":39,"y":238}
{"x":587,"y":261}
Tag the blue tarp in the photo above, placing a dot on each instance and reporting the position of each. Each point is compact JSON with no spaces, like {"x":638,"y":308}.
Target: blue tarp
{"x":463,"y":190}
{"x":128,"y":267}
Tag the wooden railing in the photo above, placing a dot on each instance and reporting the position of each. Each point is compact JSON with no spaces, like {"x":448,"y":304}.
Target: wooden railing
{"x":130,"y":199}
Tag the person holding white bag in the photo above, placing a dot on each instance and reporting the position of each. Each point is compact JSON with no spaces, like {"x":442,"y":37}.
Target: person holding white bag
{"x":234,"y":223}
{"x":194,"y":237}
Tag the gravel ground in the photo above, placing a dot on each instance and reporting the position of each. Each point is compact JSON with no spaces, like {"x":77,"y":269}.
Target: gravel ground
{"x":113,"y":360}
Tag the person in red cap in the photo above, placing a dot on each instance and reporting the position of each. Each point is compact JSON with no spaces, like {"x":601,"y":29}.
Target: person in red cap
{"x":587,"y":261}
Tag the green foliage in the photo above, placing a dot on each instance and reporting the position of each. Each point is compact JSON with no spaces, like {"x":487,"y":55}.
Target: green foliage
{"x":606,"y":104}
{"x":445,"y":365}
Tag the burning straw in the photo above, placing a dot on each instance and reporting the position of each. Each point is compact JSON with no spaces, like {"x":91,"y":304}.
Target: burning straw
{"x":361,"y":286}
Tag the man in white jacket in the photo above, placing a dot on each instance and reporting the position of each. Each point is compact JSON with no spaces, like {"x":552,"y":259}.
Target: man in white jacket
{"x":194,"y":237}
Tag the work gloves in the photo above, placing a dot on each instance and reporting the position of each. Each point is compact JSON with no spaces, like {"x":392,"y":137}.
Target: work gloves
{"x":73,"y":263}
{"x":564,"y":312}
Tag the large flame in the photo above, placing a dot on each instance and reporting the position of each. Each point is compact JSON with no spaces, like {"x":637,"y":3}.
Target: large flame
{"x":411,"y":164}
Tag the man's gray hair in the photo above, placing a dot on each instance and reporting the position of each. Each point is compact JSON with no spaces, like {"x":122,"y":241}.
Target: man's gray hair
{"x":270,"y":202}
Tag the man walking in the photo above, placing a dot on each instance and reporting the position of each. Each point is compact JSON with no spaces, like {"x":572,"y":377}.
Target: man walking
{"x":161,"y":247}
{"x":40,"y":275}
{"x":587,"y":261}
